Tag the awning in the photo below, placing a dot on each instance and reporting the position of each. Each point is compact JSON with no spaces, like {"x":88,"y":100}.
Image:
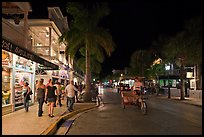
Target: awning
{"x":20,"y":51}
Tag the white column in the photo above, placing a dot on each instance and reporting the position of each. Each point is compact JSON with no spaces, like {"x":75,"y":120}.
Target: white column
{"x":50,"y":42}
{"x":13,"y":83}
{"x":33,"y":83}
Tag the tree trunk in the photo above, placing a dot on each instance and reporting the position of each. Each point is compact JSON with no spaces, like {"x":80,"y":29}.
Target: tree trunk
{"x":87,"y":94}
{"x":199,"y":77}
{"x":182,"y":81}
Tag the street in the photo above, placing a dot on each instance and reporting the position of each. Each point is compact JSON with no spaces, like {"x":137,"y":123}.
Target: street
{"x":165,"y":117}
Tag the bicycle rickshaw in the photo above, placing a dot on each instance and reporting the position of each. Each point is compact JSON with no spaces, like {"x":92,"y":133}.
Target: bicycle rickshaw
{"x":131,"y":98}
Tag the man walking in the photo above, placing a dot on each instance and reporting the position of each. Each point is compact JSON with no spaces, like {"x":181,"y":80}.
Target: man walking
{"x":70,"y":93}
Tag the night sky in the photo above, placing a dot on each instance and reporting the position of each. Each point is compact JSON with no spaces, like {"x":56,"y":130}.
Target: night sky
{"x":134,"y":24}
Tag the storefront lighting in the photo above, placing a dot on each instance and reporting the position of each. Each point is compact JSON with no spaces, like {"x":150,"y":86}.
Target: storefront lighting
{"x":189,"y":75}
{"x":167,"y":67}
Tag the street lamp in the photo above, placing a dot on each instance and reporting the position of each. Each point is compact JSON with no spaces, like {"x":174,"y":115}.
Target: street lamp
{"x":167,"y":67}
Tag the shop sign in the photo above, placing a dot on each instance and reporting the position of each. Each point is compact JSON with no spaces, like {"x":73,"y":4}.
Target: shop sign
{"x":16,"y":50}
{"x":8,"y":46}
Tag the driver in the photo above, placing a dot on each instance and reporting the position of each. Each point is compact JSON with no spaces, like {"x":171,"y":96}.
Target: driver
{"x":138,"y":86}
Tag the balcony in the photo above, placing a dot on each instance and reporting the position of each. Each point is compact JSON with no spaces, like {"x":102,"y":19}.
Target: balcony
{"x":15,"y":34}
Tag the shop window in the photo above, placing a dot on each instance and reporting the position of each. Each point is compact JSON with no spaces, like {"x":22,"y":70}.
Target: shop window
{"x":6,"y":90}
{"x":20,"y":78}
{"x":24,"y":64}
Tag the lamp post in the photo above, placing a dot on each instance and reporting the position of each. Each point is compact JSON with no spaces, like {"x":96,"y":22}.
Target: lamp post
{"x":167,"y":67}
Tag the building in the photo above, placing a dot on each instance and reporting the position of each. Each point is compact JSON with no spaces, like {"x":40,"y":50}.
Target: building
{"x":44,"y":34}
{"x":18,"y":60}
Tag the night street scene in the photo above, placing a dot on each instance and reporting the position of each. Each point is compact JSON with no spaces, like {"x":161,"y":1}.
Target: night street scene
{"x":125,"y":67}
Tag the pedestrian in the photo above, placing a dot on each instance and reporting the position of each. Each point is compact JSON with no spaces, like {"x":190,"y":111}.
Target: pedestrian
{"x":48,"y":85}
{"x":49,"y":81}
{"x":40,"y":96}
{"x":70,"y":93}
{"x":56,"y":94}
{"x":68,"y":82}
{"x":50,"y":96}
{"x":80,"y":97}
{"x":59,"y":93}
{"x":62,"y":89}
{"x":35,"y":88}
{"x":157,"y":88}
{"x":80,"y":87}
{"x":76,"y":92}
{"x":26,"y":94}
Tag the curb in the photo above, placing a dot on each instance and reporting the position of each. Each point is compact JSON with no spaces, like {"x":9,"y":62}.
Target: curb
{"x":53,"y":127}
{"x":192,"y":104}
{"x":183,"y":101}
{"x":187,"y":102}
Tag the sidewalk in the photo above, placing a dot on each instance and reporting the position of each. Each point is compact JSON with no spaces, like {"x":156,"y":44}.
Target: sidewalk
{"x":187,"y":100}
{"x":28,"y":123}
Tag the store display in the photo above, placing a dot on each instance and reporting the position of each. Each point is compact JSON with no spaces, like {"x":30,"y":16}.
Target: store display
{"x":6,"y":86}
{"x":18,"y":95}
{"x":18,"y":90}
{"x":6,"y":97}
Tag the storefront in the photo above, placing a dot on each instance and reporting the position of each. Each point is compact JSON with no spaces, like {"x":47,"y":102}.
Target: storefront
{"x":18,"y":66}
{"x":60,"y":76}
{"x":6,"y":80}
{"x":56,"y":75}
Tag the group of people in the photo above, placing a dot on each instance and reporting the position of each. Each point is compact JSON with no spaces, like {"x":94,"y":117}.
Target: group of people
{"x":51,"y":94}
{"x":48,"y":93}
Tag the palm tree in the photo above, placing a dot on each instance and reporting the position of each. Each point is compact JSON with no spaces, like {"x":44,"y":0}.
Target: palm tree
{"x":96,"y":59}
{"x":84,"y":31}
{"x":140,"y":61}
